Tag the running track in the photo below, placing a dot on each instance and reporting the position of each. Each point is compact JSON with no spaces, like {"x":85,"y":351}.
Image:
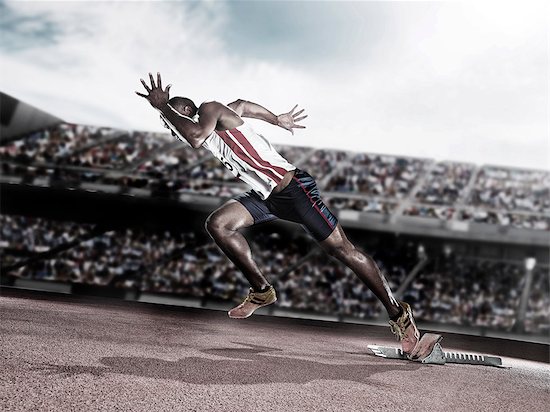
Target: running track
{"x":74,"y":353}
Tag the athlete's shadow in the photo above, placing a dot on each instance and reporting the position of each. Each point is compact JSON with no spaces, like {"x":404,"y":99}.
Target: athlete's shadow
{"x":252,"y":365}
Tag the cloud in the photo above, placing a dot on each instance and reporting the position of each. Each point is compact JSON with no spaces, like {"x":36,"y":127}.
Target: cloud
{"x":444,"y":80}
{"x":102,"y":49}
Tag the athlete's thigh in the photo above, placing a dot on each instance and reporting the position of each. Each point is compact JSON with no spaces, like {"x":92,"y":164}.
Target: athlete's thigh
{"x":256,"y":207}
{"x":232,"y":215}
{"x":301,"y":202}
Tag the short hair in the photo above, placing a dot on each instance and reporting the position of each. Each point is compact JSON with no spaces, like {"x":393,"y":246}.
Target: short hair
{"x":179,"y":103}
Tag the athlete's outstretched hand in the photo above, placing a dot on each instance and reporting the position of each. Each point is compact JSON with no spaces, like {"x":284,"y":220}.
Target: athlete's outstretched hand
{"x":288,"y":120}
{"x":157,"y":97}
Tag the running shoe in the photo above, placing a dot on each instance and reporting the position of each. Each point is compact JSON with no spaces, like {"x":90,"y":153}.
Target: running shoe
{"x":425,"y":346}
{"x":405,"y":329}
{"x":253,"y":301}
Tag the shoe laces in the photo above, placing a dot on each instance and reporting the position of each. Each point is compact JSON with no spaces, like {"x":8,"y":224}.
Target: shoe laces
{"x":248,"y":297}
{"x":252,"y":294}
{"x":397,"y":329}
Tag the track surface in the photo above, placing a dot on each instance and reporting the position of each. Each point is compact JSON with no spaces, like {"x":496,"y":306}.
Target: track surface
{"x":81,"y":353}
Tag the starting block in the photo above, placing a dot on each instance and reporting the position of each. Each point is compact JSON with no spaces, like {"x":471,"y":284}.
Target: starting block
{"x":439,"y":357}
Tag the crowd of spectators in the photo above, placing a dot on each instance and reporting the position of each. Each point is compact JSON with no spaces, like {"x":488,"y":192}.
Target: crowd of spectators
{"x":294,"y":154}
{"x":445,"y":183}
{"x":436,"y":212}
{"x":212,"y":188}
{"x":376,"y":175}
{"x":152,"y":262}
{"x":469,"y":292}
{"x":203,"y":271}
{"x":70,"y":155}
{"x":33,"y":235}
{"x":537,"y":319}
{"x":372,"y":205}
{"x":171,"y":164}
{"x":322,"y":162}
{"x":450,"y":289}
{"x":512,"y":190}
{"x":325,"y":286}
{"x":314,"y":286}
{"x":99,"y":260}
{"x":505,"y":219}
{"x":117,"y":153}
{"x":53,"y":145}
{"x":210,"y":169}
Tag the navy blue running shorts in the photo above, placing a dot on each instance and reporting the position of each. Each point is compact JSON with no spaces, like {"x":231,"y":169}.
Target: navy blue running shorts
{"x":299,"y":202}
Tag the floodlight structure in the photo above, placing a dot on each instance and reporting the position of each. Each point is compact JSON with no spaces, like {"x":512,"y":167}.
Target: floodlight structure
{"x":530,"y":263}
{"x":422,"y":262}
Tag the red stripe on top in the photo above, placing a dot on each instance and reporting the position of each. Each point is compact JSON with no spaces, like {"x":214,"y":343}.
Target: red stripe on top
{"x":313,"y":203}
{"x":243,"y":156}
{"x":241,"y":138}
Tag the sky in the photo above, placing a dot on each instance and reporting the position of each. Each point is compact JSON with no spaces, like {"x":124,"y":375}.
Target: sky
{"x":462,"y":81}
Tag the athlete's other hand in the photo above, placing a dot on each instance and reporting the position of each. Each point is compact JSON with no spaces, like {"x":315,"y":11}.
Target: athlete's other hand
{"x":288,"y":120}
{"x":156,"y":96}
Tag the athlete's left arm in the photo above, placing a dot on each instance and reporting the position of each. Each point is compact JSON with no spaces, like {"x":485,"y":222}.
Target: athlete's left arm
{"x":254,"y":111}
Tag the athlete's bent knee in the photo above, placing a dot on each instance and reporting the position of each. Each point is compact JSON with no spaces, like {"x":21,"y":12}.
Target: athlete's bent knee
{"x":214,"y":225}
{"x":218,"y":225}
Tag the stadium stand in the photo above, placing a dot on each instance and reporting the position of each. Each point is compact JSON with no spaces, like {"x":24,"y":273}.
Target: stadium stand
{"x":512,"y":190}
{"x":466,"y":289}
{"x":451,"y":289}
{"x":152,"y":164}
{"x":445,"y":183}
{"x":538,"y":310}
{"x":371,"y":205}
{"x":375,"y":175}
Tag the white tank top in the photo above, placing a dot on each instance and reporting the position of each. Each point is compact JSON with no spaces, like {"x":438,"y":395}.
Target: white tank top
{"x":247,"y":154}
{"x":250,"y":157}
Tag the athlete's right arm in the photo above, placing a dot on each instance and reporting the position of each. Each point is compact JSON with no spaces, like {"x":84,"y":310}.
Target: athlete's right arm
{"x":194,"y":132}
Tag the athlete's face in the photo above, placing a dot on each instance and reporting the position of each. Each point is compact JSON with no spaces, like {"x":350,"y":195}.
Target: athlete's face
{"x":183,"y":106}
{"x":186,"y":111}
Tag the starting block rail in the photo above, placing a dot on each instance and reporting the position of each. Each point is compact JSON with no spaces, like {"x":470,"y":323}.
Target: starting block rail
{"x":440,"y":357}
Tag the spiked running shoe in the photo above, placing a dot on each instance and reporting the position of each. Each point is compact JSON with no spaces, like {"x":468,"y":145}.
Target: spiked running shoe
{"x":405,"y":329}
{"x":253,"y":301}
{"x":425,"y":346}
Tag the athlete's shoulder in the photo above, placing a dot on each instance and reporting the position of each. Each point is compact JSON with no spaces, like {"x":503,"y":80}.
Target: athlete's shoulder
{"x":237,"y":106}
{"x":212,"y":105}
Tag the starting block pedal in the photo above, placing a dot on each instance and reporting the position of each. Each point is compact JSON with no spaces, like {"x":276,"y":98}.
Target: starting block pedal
{"x":439,"y":357}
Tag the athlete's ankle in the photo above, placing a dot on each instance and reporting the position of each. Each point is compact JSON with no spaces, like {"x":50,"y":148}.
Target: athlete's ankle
{"x":263,"y":289}
{"x":398,"y":315}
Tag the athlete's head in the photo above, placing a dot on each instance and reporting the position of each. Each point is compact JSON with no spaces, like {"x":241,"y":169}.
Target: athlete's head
{"x":183,"y":105}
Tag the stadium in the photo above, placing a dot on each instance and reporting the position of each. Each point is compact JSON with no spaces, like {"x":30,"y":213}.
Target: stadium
{"x":114,"y":297}
{"x":466,"y":244}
